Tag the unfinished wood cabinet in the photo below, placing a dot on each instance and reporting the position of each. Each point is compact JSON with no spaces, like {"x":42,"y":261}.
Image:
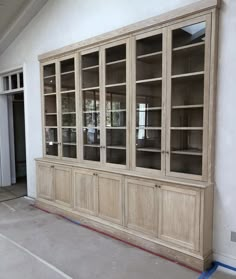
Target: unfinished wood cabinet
{"x":63,"y":189}
{"x":179,"y":219}
{"x":128,"y":129}
{"x":110,"y":201}
{"x":85,"y":191}
{"x":45,"y":188}
{"x":141,"y":205}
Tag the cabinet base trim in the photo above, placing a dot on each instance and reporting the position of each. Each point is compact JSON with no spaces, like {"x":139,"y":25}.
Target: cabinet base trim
{"x":197,"y":263}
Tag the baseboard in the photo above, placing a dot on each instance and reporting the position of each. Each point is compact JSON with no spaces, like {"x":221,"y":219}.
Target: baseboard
{"x":225,"y":259}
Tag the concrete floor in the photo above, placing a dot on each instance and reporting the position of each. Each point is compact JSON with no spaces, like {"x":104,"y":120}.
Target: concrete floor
{"x":34,"y":244}
{"x":17,"y":190}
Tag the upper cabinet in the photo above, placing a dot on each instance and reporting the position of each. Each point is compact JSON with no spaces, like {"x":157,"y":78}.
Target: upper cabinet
{"x":140,"y":103}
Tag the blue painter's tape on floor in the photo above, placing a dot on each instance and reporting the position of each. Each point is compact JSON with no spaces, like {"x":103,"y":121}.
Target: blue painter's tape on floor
{"x":208,"y":273}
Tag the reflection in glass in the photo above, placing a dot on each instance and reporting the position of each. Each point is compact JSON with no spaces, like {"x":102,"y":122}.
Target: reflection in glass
{"x":69,"y":151}
{"x":68,"y":119}
{"x":116,"y":137}
{"x":52,"y":149}
{"x":92,"y":119}
{"x":51,"y":120}
{"x":148,"y":139}
{"x":68,"y":102}
{"x":50,"y":85}
{"x":51,"y":134}
{"x":50,"y":104}
{"x":116,"y":99}
{"x":91,"y":136}
{"x":69,"y":135}
{"x":116,"y":119}
{"x":68,"y":82}
{"x":91,"y":100}
{"x":49,"y":70}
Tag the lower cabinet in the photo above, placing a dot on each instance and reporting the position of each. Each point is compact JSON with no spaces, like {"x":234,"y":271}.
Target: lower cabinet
{"x":141,"y":206}
{"x":179,"y":220}
{"x":45,"y":189}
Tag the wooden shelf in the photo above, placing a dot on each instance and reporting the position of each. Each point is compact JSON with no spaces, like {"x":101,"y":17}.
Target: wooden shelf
{"x":92,"y":145}
{"x":50,"y":113}
{"x":117,"y":147}
{"x":187,"y":128}
{"x":49,"y":76}
{"x":53,"y":142}
{"x":91,"y":88}
{"x":148,"y":149}
{"x":67,"y":91}
{"x":65,"y":113}
{"x":194,"y":152}
{"x":149,"y":109}
{"x":149,"y":81}
{"x":86,"y":127}
{"x":91,"y":111}
{"x":90,"y":68}
{"x":186,"y":47}
{"x":122,"y":61}
{"x":148,"y":128}
{"x":69,"y":143}
{"x":188,"y":75}
{"x":148,"y":56}
{"x":68,"y":127}
{"x":115,"y":85}
{"x":50,"y":94}
{"x":116,"y":128}
{"x":116,"y":110}
{"x":187,"y":106}
{"x":50,"y":127}
{"x":67,"y":73}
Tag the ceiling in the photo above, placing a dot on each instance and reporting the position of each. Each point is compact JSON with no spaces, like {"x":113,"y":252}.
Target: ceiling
{"x":14,"y":16}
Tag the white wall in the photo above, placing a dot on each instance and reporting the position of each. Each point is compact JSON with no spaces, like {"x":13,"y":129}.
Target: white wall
{"x":61,"y":23}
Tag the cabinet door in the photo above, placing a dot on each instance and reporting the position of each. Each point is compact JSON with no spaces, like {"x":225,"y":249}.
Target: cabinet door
{"x":45,"y":181}
{"x":84,"y":189}
{"x":187,"y":98}
{"x":62,"y":178}
{"x":110,"y":205}
{"x":179,"y":220}
{"x":141,"y":206}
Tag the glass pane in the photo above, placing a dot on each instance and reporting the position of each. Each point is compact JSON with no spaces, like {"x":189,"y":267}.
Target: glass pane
{"x":151,"y":160}
{"x":147,"y":118}
{"x":188,"y":49}
{"x":90,"y":78}
{"x":52,"y":149}
{"x":68,"y":120}
{"x":116,"y":156}
{"x":116,"y":98}
{"x":50,"y":104}
{"x":68,"y":102}
{"x":116,"y":53}
{"x":92,"y":153}
{"x":67,"y":82}
{"x":14,"y":84}
{"x":187,"y":117}
{"x":49,"y":70}
{"x":50,"y":85}
{"x":91,"y":100}
{"x":116,"y":118}
{"x":6,"y":83}
{"x":91,"y":119}
{"x":51,"y":120}
{"x":51,"y":135}
{"x":149,"y":45}
{"x":148,"y":139}
{"x":116,"y":73}
{"x":69,"y":151}
{"x":91,"y":136}
{"x":67,"y":65}
{"x":116,"y":137}
{"x":21,"y":80}
{"x":186,"y":164}
{"x":149,"y":96}
{"x":68,"y":135}
{"x":90,"y":60}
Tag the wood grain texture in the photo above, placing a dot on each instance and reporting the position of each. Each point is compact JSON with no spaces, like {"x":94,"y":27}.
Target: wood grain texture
{"x":45,"y":187}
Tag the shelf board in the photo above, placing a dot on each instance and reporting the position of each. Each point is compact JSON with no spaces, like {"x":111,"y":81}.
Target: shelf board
{"x":49,"y":76}
{"x":149,"y":109}
{"x":116,"y":110}
{"x":68,"y":127}
{"x":53,"y":142}
{"x":116,"y":128}
{"x":187,"y":128}
{"x":50,"y":127}
{"x":90,"y":68}
{"x":148,"y":128}
{"x":69,"y":144}
{"x":187,"y":106}
{"x":91,"y":88}
{"x":86,"y":127}
{"x":92,"y":145}
{"x":91,"y":111}
{"x":67,"y":91}
{"x":148,"y":149}
{"x":149,"y":55}
{"x":67,"y":73}
{"x":149,"y":81}
{"x":50,"y":94}
{"x":188,"y":46}
{"x":50,"y":113}
{"x":115,"y":85}
{"x":65,"y":113}
{"x":194,"y":152}
{"x":117,"y":147}
{"x":188,"y":75}
{"x":121,"y":61}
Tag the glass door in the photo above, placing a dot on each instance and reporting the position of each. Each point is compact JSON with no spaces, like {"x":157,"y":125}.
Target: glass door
{"x":188,"y":94}
{"x":68,"y":108}
{"x":149,"y":84}
{"x":90,"y":96}
{"x":50,"y":109}
{"x":115,"y":99}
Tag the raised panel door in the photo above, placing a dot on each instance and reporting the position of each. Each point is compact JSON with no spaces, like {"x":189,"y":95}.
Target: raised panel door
{"x":84,"y":189}
{"x":45,"y":181}
{"x":62,"y":178}
{"x":141,"y":206}
{"x":110,"y":206}
{"x":179,"y":220}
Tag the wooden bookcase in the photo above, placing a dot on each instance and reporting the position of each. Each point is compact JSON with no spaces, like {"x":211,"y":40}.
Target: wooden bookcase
{"x":128,"y":127}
